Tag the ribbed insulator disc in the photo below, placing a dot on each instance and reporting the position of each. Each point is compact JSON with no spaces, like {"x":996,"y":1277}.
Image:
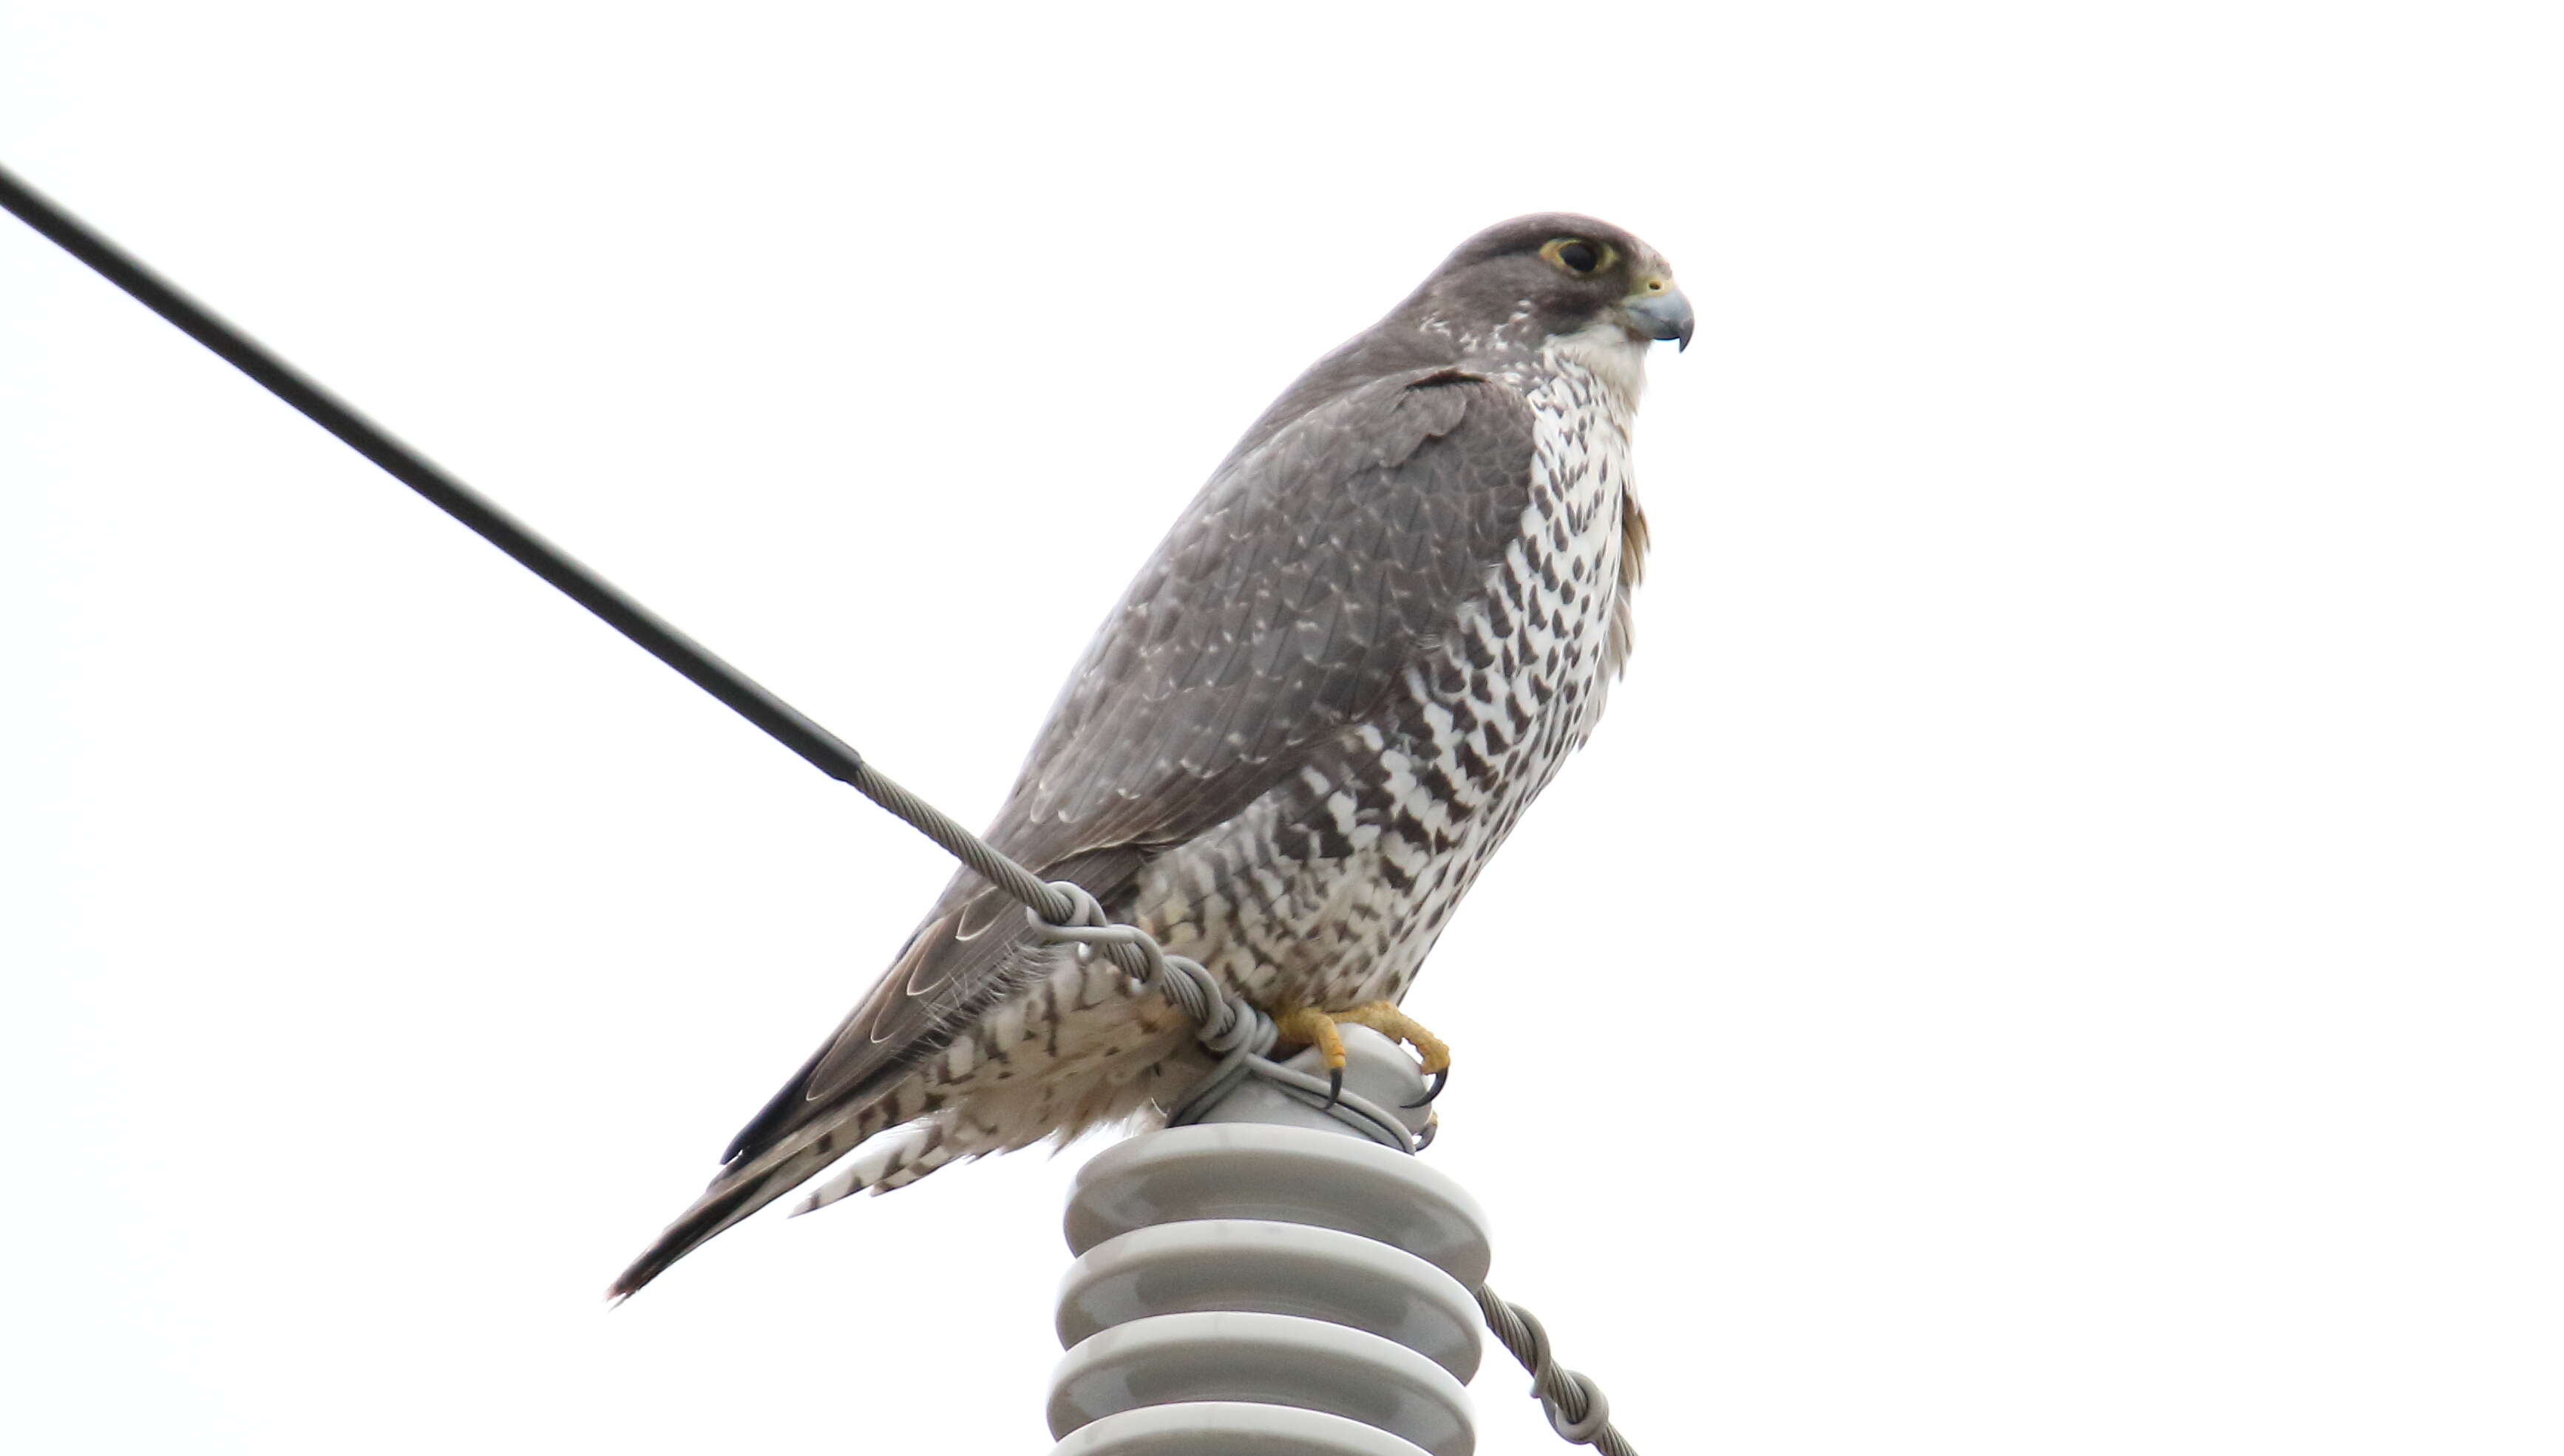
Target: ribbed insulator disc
{"x":1283,"y":1175}
{"x":1272,"y":1269}
{"x":1226,"y":1428}
{"x":1267,"y":1360}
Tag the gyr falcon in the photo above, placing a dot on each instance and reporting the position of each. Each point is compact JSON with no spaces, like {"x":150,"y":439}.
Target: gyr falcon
{"x":1361,"y":651}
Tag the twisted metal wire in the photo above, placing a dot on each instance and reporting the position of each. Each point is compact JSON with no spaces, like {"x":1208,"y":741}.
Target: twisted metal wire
{"x":1228,"y":1026}
{"x":1046,"y":901}
{"x":1575,"y":1405}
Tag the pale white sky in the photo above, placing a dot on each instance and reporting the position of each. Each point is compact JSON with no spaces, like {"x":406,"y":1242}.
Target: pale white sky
{"x":2055,"y":948}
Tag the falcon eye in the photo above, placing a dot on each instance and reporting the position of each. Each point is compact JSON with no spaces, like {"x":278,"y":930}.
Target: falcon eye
{"x":1577,"y":255}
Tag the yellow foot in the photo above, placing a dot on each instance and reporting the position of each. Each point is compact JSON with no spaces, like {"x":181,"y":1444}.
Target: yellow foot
{"x":1311,"y":1027}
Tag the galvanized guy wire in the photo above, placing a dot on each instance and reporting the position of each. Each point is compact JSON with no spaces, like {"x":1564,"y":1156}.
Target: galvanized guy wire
{"x":1573,"y":1403}
{"x":1238,"y":1033}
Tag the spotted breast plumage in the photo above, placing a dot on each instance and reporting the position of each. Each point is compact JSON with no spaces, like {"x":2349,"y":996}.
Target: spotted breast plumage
{"x":1361,"y":651}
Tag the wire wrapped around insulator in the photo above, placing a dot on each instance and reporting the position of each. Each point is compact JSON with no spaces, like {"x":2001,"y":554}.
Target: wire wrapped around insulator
{"x":1575,"y":1405}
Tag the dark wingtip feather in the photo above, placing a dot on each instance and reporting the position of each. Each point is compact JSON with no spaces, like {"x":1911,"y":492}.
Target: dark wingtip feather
{"x":745,"y":1185}
{"x":725,"y":1203}
{"x":654,"y":1261}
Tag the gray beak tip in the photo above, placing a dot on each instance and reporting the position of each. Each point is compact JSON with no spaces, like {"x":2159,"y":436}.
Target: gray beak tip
{"x":1664,"y":317}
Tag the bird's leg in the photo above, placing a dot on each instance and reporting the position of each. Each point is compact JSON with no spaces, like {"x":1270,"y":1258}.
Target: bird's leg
{"x":1386,"y":1018}
{"x":1310,"y":1026}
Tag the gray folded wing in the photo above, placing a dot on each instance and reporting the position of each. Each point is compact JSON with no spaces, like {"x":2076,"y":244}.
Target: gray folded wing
{"x":1285,"y":605}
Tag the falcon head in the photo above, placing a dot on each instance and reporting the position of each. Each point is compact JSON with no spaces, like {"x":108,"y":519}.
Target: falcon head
{"x":1553,"y":276}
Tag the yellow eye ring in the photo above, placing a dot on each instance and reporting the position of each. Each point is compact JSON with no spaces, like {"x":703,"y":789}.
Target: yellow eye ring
{"x":1579,"y":255}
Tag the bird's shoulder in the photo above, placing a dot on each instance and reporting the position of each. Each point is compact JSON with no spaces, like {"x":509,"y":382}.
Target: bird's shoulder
{"x":1283,"y":604}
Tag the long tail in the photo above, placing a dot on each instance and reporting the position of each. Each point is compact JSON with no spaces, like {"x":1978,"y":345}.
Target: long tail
{"x":748,"y":1185}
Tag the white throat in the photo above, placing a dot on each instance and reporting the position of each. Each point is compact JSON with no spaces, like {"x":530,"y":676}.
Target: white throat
{"x":1616,"y":361}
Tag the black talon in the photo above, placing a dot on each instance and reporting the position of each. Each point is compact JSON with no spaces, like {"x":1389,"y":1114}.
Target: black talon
{"x":1442,"y":1080}
{"x":1335,"y":1087}
{"x":1424,"y":1138}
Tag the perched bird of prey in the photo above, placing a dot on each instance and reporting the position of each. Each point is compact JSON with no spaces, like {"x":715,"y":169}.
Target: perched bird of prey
{"x":1362,"y":649}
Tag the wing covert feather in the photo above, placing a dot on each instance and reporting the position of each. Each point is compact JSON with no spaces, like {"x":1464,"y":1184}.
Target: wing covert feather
{"x":1284,"y":605}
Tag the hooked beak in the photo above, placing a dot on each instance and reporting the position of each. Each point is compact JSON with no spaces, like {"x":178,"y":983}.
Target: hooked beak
{"x":1660,"y":313}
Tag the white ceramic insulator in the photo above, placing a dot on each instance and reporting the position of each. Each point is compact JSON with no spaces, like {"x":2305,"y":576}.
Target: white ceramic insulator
{"x":1268,"y":1282}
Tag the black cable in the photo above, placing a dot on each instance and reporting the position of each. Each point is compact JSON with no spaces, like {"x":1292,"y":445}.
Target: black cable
{"x":780,"y":719}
